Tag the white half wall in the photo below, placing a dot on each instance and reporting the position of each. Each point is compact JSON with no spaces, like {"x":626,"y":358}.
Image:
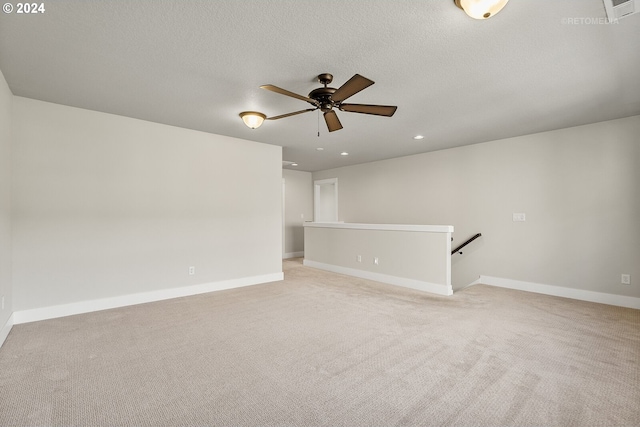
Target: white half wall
{"x":106,"y":206}
{"x":579,"y":188}
{"x":413,"y":256}
{"x":298,"y":208}
{"x":6,"y":294}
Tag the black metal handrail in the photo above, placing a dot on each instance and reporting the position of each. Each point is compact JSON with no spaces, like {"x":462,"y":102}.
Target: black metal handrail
{"x":465,"y":244}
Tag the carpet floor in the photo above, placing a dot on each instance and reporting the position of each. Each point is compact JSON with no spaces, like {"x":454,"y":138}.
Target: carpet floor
{"x":322,"y":349}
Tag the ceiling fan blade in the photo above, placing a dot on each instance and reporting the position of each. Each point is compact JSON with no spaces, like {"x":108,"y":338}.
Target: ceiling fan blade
{"x":281,"y":91}
{"x":377,"y":110}
{"x":354,"y":85}
{"x":333,"y":123}
{"x":282,"y":116}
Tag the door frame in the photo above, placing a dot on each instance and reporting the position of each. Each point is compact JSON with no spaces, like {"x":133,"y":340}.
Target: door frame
{"x":316,"y":197}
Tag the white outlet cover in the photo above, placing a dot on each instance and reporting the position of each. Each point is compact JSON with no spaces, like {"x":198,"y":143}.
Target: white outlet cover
{"x":519,"y":217}
{"x":625,"y":279}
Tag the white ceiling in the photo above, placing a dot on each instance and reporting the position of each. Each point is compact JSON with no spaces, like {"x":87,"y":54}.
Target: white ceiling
{"x":536,"y":66}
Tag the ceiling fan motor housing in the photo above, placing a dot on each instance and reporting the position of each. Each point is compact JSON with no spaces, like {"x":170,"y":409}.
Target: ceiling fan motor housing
{"x":323,"y":96}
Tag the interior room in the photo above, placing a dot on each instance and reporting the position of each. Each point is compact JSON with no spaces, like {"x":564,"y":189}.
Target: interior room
{"x":361,"y":212}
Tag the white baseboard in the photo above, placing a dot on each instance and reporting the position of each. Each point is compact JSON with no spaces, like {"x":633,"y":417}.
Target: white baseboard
{"x":293,"y":255}
{"x":4,"y":332}
{"x":419,"y":285}
{"x":559,"y":291}
{"x":36,"y":314}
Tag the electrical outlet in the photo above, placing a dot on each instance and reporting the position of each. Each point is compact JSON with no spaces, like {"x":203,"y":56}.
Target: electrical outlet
{"x":625,"y":279}
{"x":519,"y":217}
{"x":359,"y":258}
{"x":376,"y":261}
{"x":192,"y":271}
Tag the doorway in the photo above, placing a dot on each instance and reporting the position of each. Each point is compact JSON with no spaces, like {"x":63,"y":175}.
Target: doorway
{"x":325,"y":200}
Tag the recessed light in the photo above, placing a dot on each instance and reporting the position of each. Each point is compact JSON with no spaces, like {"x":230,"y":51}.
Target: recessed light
{"x":418,"y":137}
{"x":344,"y":153}
{"x":319,"y":148}
{"x":294,"y":164}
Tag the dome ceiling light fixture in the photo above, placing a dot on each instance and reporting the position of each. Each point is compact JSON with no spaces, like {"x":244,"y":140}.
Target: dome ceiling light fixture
{"x":252,"y":119}
{"x":481,"y":9}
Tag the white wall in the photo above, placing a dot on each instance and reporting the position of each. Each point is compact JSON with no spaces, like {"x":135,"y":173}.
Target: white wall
{"x":5,"y":205}
{"x":298,"y":208}
{"x":107,"y":206}
{"x":579,"y":188}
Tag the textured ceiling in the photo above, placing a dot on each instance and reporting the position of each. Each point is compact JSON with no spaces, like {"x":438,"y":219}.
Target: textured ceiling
{"x":536,"y":66}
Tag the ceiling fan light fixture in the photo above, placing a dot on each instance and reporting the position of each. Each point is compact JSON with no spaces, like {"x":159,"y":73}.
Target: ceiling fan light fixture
{"x":252,"y":119}
{"x":481,"y":9}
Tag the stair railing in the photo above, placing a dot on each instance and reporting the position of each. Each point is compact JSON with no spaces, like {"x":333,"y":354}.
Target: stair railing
{"x":458,"y":249}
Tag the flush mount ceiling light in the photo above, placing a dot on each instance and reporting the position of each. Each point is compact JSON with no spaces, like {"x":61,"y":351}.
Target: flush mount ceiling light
{"x":418,"y":137}
{"x":481,"y":9}
{"x":252,"y":119}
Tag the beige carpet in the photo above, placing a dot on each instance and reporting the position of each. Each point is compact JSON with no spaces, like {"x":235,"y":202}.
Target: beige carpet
{"x":324,"y":349}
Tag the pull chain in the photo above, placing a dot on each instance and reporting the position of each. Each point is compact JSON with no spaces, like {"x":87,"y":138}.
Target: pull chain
{"x":318,"y":123}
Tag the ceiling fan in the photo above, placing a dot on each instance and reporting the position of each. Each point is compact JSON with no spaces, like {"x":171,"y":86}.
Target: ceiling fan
{"x":328,"y":99}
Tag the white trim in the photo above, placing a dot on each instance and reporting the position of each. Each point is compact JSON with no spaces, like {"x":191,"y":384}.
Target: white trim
{"x":385,"y":227}
{"x":559,"y":291}
{"x":325,"y":181}
{"x":293,"y":255}
{"x":43,"y":313}
{"x":284,"y":218}
{"x":419,"y":285}
{"x":4,"y":332}
{"x":448,"y":261}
